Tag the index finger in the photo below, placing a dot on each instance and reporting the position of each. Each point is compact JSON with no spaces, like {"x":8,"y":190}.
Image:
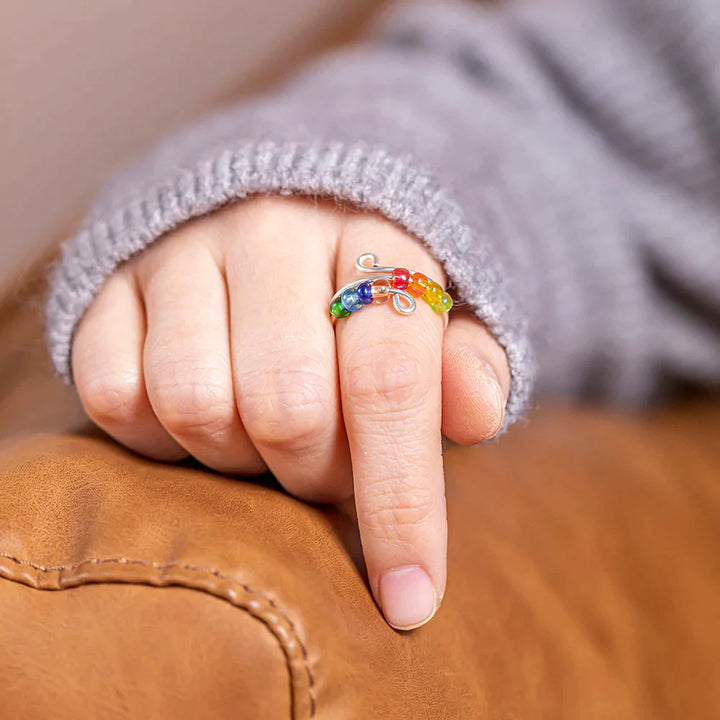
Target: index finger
{"x":390,"y":378}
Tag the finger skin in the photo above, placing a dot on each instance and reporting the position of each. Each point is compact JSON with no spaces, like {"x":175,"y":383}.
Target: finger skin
{"x":390,"y":372}
{"x":108,"y":373}
{"x":284,"y":359}
{"x":187,"y":366}
{"x":476,"y":381}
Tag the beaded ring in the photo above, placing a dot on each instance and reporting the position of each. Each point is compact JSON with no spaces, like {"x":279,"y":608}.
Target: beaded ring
{"x":403,"y":284}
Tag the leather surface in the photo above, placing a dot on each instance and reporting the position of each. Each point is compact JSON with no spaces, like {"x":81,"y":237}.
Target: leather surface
{"x":584,"y":581}
{"x":102,"y":651}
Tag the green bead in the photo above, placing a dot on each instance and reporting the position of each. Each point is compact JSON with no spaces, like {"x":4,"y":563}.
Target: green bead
{"x":442,"y":304}
{"x":337,"y":309}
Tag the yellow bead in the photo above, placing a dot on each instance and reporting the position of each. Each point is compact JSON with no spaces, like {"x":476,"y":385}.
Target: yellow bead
{"x":433,"y":293}
{"x":437,"y":298}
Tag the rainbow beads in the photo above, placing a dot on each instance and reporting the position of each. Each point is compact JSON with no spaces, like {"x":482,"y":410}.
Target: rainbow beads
{"x":337,"y":309}
{"x":433,"y":294}
{"x":437,"y":298}
{"x":444,"y":304}
{"x":365,"y":294}
{"x":381,"y":291}
{"x":418,"y":284}
{"x":400,"y":278}
{"x":350,"y":300}
{"x":402,"y":284}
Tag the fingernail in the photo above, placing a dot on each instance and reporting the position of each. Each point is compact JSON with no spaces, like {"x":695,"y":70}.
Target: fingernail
{"x":491,"y":390}
{"x":407,"y":597}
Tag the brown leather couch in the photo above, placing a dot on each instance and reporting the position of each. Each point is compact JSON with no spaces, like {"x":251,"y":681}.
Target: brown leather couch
{"x":584,"y":575}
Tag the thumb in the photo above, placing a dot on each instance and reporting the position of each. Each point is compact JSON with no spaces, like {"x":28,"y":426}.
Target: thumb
{"x":475,"y":379}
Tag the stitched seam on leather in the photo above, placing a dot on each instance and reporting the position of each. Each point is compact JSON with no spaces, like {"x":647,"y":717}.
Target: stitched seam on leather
{"x":197,"y":569}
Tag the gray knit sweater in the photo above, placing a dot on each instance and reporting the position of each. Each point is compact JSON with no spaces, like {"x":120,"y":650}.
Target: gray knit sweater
{"x":560,"y":158}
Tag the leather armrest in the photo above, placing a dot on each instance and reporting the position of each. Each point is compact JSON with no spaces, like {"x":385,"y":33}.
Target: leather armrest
{"x":583,"y":582}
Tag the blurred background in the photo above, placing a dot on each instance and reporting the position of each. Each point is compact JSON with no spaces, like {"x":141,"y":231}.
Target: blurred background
{"x":86,"y":84}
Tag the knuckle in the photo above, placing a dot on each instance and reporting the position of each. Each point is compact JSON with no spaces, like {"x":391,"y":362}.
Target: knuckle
{"x":263,"y":208}
{"x":112,"y":398}
{"x":391,"y":378}
{"x":201,"y":406}
{"x":284,"y":407}
{"x":398,"y":511}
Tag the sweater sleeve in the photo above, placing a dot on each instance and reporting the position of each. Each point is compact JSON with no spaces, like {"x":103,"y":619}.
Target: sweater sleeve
{"x":560,"y":158}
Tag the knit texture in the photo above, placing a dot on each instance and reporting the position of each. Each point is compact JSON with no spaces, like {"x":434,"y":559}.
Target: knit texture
{"x":561,"y":159}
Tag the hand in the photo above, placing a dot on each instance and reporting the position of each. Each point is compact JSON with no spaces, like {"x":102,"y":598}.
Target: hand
{"x":216,"y":342}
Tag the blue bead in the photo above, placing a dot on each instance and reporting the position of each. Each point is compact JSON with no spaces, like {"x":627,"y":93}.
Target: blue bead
{"x":364,"y":293}
{"x":350,"y":300}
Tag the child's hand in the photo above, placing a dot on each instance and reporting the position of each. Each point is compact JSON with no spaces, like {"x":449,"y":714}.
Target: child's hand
{"x":217,"y":342}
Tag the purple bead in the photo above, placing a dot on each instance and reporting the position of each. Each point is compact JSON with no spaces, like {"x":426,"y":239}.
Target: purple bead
{"x":364,"y":292}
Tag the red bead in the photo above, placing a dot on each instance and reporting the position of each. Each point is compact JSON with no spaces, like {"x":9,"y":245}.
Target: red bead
{"x":400,"y":278}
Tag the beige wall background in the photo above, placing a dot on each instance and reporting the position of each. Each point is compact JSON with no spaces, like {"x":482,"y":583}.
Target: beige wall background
{"x":85,"y":84}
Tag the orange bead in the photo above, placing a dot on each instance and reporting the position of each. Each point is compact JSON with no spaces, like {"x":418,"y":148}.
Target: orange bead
{"x":418,"y":284}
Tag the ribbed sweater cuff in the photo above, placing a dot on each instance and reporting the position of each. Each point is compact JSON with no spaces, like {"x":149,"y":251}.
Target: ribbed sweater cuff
{"x":369,"y":178}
